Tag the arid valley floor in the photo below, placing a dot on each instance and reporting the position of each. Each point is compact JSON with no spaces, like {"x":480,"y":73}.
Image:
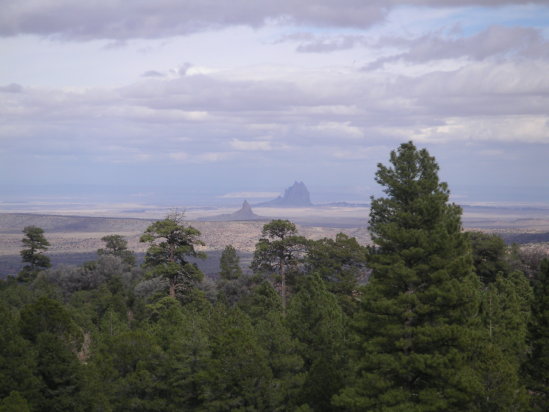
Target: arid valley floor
{"x":75,"y":233}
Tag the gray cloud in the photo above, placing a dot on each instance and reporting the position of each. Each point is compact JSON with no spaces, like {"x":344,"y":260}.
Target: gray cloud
{"x":496,"y":41}
{"x":333,"y":127}
{"x":119,"y":19}
{"x":152,"y":73}
{"x":183,"y":69}
{"x":206,"y":118}
{"x":330,"y":44}
{"x":11,"y":88}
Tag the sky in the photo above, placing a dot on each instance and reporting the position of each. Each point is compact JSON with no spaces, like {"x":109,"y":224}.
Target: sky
{"x":212,"y":101}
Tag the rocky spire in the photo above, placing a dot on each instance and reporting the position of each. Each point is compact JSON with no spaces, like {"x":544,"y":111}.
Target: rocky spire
{"x":296,"y":195}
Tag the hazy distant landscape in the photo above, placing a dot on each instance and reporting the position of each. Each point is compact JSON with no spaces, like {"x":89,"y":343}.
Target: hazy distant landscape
{"x":253,"y":205}
{"x":75,"y":238}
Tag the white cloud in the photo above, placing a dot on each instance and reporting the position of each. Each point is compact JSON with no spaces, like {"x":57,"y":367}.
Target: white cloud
{"x":525,"y":129}
{"x":179,"y":155}
{"x":339,"y":130}
{"x":211,"y":157}
{"x":252,"y":145}
{"x":362,"y":153}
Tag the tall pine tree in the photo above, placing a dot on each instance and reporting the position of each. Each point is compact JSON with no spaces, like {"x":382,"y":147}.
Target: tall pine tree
{"x":317,"y":322}
{"x":171,"y":245}
{"x":35,"y":244}
{"x":418,"y":311}
{"x":229,"y":264}
{"x":279,"y":251}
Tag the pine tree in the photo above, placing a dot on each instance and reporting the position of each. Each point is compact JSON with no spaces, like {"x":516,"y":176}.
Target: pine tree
{"x":341,"y":263}
{"x":238,"y":377}
{"x":182,"y":335}
{"x":14,"y":402}
{"x":116,"y":245}
{"x":317,"y":322}
{"x":35,"y":243}
{"x":488,"y":256}
{"x":419,"y":308}
{"x":279,"y":251}
{"x":171,"y":244}
{"x":229,"y":264}
{"x":60,"y":373}
{"x":17,"y":359}
{"x":129,"y":365}
{"x":284,"y":360}
{"x":504,"y":313}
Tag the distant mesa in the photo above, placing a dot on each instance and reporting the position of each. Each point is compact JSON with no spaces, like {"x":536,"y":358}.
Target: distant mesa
{"x":296,"y":195}
{"x":244,"y":213}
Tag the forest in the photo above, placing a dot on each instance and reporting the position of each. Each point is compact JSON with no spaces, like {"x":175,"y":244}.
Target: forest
{"x":427,"y":318}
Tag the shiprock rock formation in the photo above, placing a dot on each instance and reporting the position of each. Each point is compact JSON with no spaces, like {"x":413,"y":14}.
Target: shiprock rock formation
{"x":296,"y":195}
{"x":244,"y":213}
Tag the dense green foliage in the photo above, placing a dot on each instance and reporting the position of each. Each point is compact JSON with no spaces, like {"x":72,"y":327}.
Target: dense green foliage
{"x":341,"y":263}
{"x":537,"y":366}
{"x":428,"y":319}
{"x":506,"y":299}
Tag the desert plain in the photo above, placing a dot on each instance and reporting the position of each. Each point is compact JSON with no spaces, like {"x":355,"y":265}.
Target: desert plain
{"x":75,"y":231}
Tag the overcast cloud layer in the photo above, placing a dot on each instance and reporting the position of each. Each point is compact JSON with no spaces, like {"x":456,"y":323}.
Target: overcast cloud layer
{"x":215,"y":98}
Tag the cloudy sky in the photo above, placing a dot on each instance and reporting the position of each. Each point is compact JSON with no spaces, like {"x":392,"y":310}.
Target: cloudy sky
{"x":210,"y":100}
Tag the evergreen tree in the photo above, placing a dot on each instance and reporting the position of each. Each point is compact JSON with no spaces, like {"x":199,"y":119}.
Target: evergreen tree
{"x":188,"y":357}
{"x":279,"y":251}
{"x":317,"y":322}
{"x":418,"y":313}
{"x":130,"y":367}
{"x":183,"y":337}
{"x":341,"y":263}
{"x":60,"y":373}
{"x":48,"y":316}
{"x":489,"y":256}
{"x":229,"y":264}
{"x":238,"y":377}
{"x":504,"y":312}
{"x":537,"y":367}
{"x":284,"y":359}
{"x":231,"y":285}
{"x":261,"y":300}
{"x":14,"y":402}
{"x":231,"y":292}
{"x":116,"y":245}
{"x":35,"y":243}
{"x":171,"y":244}
{"x":17,"y":360}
